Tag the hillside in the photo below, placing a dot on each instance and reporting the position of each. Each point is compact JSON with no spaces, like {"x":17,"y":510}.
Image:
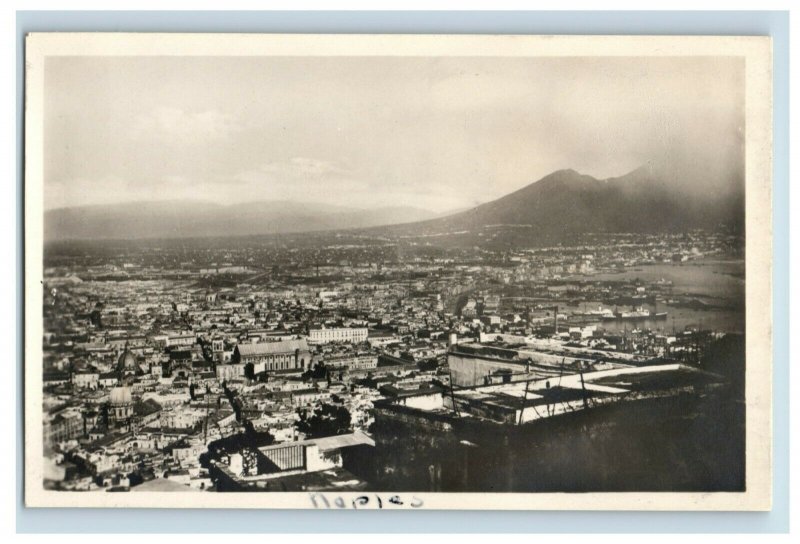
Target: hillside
{"x":567,"y":202}
{"x":182,"y":219}
{"x":553,"y":209}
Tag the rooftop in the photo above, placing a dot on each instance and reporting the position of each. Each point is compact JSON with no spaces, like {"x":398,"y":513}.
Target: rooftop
{"x":267,"y":348}
{"x":162,"y":484}
{"x":335,"y":479}
{"x":329,"y":443}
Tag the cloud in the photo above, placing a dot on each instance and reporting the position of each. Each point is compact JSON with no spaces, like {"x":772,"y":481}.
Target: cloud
{"x":300,"y":178}
{"x":454,"y":130}
{"x":296,"y":168}
{"x":174,"y":124}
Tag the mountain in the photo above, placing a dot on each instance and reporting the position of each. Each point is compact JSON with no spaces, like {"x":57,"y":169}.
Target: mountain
{"x":567,"y":202}
{"x":552,"y":209}
{"x":184,"y":219}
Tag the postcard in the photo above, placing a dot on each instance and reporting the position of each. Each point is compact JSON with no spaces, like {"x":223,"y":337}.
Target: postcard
{"x":398,"y":271}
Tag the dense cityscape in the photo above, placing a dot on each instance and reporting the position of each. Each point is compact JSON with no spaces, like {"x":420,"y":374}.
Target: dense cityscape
{"x":348,"y":361}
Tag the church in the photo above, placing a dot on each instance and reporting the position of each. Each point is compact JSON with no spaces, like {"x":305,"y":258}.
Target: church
{"x":274,"y":356}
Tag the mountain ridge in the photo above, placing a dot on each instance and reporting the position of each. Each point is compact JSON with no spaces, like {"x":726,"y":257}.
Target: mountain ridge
{"x":563,"y":202}
{"x":198,"y":218}
{"x":567,"y":201}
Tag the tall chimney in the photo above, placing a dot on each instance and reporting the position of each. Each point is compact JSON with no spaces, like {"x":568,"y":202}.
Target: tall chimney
{"x":555,"y":317}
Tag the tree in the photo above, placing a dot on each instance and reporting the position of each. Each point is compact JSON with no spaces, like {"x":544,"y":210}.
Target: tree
{"x":135,"y":478}
{"x":96,"y":318}
{"x":319,"y":372}
{"x":234,"y":443}
{"x":428,"y":365}
{"x":327,"y":420}
{"x":206,"y":349}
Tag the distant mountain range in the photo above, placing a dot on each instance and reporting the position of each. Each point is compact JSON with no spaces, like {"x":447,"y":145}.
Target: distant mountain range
{"x":182,"y":219}
{"x":567,"y":202}
{"x":560,"y":204}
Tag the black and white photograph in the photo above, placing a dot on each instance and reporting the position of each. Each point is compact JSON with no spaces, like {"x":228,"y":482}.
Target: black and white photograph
{"x":398,"y":272}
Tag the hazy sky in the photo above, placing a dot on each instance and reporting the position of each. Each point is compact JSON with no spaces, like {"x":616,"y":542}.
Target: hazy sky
{"x":439,"y":133}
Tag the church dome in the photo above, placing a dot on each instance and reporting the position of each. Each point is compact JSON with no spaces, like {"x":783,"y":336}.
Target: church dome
{"x":126,"y":361}
{"x":120,"y":396}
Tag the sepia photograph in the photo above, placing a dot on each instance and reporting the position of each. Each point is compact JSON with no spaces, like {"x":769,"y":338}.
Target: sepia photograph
{"x":398,"y":272}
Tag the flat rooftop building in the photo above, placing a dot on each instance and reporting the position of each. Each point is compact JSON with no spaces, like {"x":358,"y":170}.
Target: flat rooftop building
{"x":600,"y":430}
{"x":474,"y":364}
{"x":354,"y":335}
{"x":323,"y":461}
{"x":271,"y":356}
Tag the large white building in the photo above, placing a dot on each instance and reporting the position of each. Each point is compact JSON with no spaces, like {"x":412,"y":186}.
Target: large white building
{"x":338,"y":334}
{"x":269,"y":356}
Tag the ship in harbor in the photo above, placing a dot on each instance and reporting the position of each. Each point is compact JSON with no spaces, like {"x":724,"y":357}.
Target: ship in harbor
{"x":637,"y":314}
{"x":599,"y":312}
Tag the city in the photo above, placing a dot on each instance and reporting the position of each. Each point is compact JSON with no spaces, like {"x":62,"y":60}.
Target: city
{"x":371,"y":360}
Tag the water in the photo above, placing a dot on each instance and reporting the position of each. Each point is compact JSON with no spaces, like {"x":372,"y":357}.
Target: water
{"x":719,"y":283}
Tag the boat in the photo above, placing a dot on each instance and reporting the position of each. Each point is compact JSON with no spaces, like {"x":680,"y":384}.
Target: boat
{"x":599,"y":312}
{"x":638,"y":314}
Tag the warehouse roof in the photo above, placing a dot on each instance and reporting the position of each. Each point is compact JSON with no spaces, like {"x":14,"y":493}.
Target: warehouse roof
{"x":267,"y":348}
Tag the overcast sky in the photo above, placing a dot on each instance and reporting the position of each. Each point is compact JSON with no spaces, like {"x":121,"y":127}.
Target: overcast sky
{"x":440,"y":134}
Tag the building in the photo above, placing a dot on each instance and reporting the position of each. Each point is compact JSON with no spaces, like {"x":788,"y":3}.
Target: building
{"x":380,"y":339}
{"x":127,"y":366}
{"x":63,"y":426}
{"x":55,"y":377}
{"x":425,"y":397}
{"x":86,"y":379}
{"x":613,"y":430}
{"x":230,"y":371}
{"x":365,"y":361}
{"x":272,"y":356}
{"x":109,"y":379}
{"x":127,"y":341}
{"x":181,"y":340}
{"x":304,"y":397}
{"x":321,"y":463}
{"x":474,"y":364}
{"x":120,"y":405}
{"x":354,"y":335}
